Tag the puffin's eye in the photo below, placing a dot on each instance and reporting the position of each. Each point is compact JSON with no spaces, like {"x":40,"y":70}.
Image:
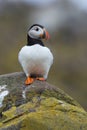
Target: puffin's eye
{"x":37,"y":29}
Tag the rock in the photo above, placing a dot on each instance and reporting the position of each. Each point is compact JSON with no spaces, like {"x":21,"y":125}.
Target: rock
{"x":40,"y":106}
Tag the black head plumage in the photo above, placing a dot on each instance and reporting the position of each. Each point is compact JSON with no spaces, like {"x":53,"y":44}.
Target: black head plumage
{"x":36,"y":25}
{"x":31,"y":41}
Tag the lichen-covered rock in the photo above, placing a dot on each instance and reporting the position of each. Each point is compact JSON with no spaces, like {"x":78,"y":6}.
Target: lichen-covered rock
{"x":39,"y":106}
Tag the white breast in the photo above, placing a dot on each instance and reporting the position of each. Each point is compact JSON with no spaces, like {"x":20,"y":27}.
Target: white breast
{"x":35,"y":59}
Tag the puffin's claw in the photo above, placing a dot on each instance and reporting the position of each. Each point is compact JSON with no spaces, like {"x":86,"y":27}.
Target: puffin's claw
{"x":40,"y":78}
{"x":29,"y":80}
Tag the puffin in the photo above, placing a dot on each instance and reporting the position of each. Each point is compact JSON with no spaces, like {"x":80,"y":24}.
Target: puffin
{"x":35,"y":58}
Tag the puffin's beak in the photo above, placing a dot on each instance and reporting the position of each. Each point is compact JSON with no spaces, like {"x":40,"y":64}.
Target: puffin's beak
{"x":45,"y":34}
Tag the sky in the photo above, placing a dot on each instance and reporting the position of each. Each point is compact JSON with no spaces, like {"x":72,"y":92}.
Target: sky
{"x":80,"y":3}
{"x":35,"y":1}
{"x":53,"y":10}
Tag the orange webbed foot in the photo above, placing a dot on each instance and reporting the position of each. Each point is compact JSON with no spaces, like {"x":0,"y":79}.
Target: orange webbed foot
{"x":40,"y":78}
{"x":29,"y":80}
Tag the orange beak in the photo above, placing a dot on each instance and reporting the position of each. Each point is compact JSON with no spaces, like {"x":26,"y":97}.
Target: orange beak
{"x":45,"y":35}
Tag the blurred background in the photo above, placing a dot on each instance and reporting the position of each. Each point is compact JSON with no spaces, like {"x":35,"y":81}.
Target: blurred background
{"x":66,"y":21}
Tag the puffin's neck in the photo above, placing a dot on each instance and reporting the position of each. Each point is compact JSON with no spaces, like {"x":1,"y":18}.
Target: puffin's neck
{"x":31,"y":41}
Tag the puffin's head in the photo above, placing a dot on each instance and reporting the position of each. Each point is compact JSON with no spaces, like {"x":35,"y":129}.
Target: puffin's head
{"x":37,"y":31}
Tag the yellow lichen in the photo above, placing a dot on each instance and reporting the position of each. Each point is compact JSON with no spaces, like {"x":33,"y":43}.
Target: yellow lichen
{"x":43,"y":113}
{"x":49,"y":102}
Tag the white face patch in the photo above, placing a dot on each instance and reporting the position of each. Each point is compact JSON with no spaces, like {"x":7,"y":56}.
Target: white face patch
{"x":35,"y":32}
